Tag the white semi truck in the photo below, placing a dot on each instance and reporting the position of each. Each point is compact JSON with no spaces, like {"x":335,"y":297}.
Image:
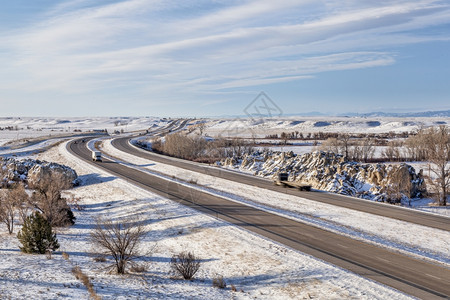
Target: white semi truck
{"x":96,"y":156}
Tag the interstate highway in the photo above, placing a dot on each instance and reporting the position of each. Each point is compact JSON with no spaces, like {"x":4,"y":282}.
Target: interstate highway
{"x":412,"y":276}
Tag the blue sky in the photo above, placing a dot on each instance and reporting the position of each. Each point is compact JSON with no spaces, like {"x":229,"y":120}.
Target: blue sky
{"x":200,"y":58}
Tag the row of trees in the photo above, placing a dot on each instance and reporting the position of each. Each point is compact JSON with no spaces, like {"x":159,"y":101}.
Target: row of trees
{"x":359,"y":150}
{"x":197,"y":148}
{"x":431,"y":145}
{"x":297,"y":135}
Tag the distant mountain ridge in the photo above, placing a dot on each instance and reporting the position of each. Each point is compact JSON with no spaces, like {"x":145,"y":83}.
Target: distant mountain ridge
{"x":426,"y":114}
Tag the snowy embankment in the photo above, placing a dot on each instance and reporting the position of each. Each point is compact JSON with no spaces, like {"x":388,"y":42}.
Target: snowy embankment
{"x":401,"y":236}
{"x":261,"y":268}
{"x":33,"y":149}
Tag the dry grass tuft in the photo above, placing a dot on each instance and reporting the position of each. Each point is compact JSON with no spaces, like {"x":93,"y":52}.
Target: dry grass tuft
{"x":76,"y":271}
{"x":219,"y":282}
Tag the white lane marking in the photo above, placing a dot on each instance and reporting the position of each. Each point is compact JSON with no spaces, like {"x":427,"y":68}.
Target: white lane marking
{"x":383,"y":259}
{"x":432,"y":276}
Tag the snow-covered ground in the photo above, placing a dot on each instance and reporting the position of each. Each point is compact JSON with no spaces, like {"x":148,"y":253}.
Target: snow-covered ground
{"x":246,"y":127}
{"x":260,"y":268}
{"x":22,"y":129}
{"x":402,"y":236}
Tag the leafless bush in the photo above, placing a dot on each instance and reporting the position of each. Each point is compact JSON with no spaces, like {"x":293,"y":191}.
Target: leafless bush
{"x":157,"y":145}
{"x":76,"y":271}
{"x":75,"y":202}
{"x":185,"y":264}
{"x":119,"y":239}
{"x":100,"y":258}
{"x":196,"y":148}
{"x":47,"y":199}
{"x":139,"y":268}
{"x":186,"y":147}
{"x":65,"y":255}
{"x":219,"y":282}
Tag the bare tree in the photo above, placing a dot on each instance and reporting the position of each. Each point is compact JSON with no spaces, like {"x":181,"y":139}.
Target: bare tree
{"x":22,"y":201}
{"x":367,"y":149}
{"x":437,"y":144}
{"x":399,"y":183}
{"x":201,"y":127}
{"x":284,"y":136}
{"x":331,"y":145}
{"x":47,"y":199}
{"x":392,"y":151}
{"x":416,"y":145}
{"x":8,"y":207}
{"x":119,"y":239}
{"x":345,"y":144}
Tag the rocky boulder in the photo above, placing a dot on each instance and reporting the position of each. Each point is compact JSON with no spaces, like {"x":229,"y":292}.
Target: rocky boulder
{"x":331,"y":172}
{"x":31,"y":171}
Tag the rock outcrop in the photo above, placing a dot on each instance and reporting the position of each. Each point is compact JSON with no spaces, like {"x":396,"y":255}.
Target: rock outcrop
{"x":31,"y":171}
{"x":331,"y":172}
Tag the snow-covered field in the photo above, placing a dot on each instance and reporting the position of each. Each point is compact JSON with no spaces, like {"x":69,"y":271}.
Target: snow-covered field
{"x":246,"y":127}
{"x":258,"y":268}
{"x":22,"y":129}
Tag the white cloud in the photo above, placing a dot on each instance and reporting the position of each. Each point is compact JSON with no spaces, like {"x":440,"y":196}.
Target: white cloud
{"x":162,"y":47}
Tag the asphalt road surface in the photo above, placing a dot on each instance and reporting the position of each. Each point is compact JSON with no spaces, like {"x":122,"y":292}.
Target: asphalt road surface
{"x":412,"y":276}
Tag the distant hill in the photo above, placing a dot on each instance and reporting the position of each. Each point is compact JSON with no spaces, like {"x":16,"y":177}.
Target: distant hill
{"x":426,"y":114}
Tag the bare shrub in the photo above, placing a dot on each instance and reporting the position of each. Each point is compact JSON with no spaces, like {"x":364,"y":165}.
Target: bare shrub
{"x":185,"y":264}
{"x":65,"y":255}
{"x":157,"y":145}
{"x":233,"y":288}
{"x":47,"y":199}
{"x":139,"y":268}
{"x":219,"y":282}
{"x":76,"y":271}
{"x":75,"y":202}
{"x":119,"y":239}
{"x":100,"y":258}
{"x":182,"y":146}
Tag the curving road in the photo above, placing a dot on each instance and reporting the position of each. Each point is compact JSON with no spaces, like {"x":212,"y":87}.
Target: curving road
{"x":381,"y":209}
{"x":412,"y":276}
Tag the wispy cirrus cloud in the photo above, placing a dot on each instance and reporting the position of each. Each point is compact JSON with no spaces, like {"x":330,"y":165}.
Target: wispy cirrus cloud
{"x":190,"y":48}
